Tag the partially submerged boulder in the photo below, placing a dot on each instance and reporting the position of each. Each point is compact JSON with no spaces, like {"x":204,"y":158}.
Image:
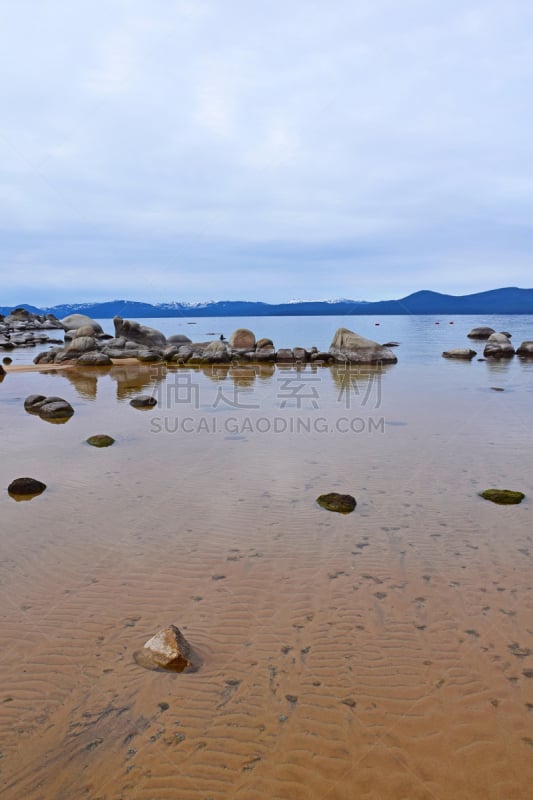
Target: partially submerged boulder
{"x":342,"y":503}
{"x":100,"y":440}
{"x":460,"y":352}
{"x":168,"y":649}
{"x":483,"y":332}
{"x":48,"y":408}
{"x":498,"y":346}
{"x":348,"y":346}
{"x":525,"y":349}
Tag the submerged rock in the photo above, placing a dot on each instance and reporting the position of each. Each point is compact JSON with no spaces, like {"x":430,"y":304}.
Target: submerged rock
{"x":100,"y":440}
{"x":460,"y":352}
{"x":143,"y":401}
{"x":27,"y":487}
{"x":342,"y":503}
{"x":504,"y":497}
{"x":168,"y":649}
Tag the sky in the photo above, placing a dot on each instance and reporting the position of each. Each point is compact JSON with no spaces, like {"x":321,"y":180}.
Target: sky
{"x":197,"y":150}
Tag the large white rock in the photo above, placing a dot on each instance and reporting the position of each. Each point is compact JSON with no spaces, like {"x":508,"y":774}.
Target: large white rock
{"x":349,"y":346}
{"x":74,"y":321}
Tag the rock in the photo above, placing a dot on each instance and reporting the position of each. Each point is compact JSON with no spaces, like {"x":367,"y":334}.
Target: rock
{"x":26,"y":487}
{"x":143,"y":401}
{"x":75,"y":321}
{"x":150,"y":356}
{"x":322,"y":356}
{"x":2,"y":371}
{"x":300,"y":354}
{"x":140,"y":334}
{"x":217,"y":353}
{"x":7,"y":360}
{"x":285,"y":356}
{"x":82,"y":344}
{"x":349,"y":346}
{"x":169,"y":649}
{"x":342,"y":503}
{"x":506,"y":333}
{"x":525,"y":349}
{"x":480,"y":333}
{"x":100,"y":440}
{"x":498,"y":346}
{"x":504,"y":497}
{"x":178,"y":338}
{"x":264,"y":343}
{"x":94,"y":359}
{"x":242,"y":339}
{"x":85,"y":330}
{"x":460,"y":353}
{"x":49,"y":408}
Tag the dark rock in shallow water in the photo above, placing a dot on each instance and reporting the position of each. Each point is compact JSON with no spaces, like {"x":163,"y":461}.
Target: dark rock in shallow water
{"x":525,"y":349}
{"x":178,"y":338}
{"x":26,"y":487}
{"x":140,"y":334}
{"x":349,"y":347}
{"x":101,"y":440}
{"x":49,"y":408}
{"x":343,"y":503}
{"x":463,"y":352}
{"x":504,"y":497}
{"x":143,"y":401}
{"x":170,"y":650}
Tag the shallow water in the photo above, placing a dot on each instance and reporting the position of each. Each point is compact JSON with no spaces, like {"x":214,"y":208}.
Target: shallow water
{"x":382,"y":654}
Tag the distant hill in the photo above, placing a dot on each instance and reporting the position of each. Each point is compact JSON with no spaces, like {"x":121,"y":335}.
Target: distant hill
{"x":510,"y":300}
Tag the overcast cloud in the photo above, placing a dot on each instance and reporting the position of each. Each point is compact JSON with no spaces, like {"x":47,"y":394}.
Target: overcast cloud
{"x":237,"y":149}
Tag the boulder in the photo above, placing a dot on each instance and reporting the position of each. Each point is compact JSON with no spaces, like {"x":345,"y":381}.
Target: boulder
{"x":242,"y":339}
{"x":525,"y":349}
{"x":49,"y":408}
{"x":2,"y":370}
{"x":85,"y":330}
{"x":349,"y":346}
{"x":143,"y":401}
{"x":100,"y":440}
{"x":480,"y":333}
{"x":170,"y":649}
{"x":217,"y":353}
{"x":460,"y":352}
{"x":300,"y":354}
{"x":150,"y":356}
{"x":178,"y":338}
{"x":285,"y":356}
{"x":82,"y":344}
{"x":503,"y":497}
{"x":140,"y":334}
{"x":342,"y":503}
{"x":75,"y":321}
{"x":498,"y":346}
{"x":26,"y":487}
{"x":94,"y":359}
{"x":264,"y":343}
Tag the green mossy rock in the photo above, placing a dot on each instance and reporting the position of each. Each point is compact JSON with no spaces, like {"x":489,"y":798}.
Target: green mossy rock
{"x":342,"y":503}
{"x":101,"y":440}
{"x":504,"y":497}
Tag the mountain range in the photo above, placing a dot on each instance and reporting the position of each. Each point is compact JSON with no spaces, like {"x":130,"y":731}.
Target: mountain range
{"x":509,"y":300}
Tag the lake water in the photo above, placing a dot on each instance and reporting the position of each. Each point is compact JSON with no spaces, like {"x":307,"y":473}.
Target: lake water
{"x":383,"y":654}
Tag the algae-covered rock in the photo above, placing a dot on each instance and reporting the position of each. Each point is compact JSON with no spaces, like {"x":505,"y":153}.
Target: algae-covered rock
{"x":342,"y":503}
{"x":504,"y":497}
{"x":101,"y":440}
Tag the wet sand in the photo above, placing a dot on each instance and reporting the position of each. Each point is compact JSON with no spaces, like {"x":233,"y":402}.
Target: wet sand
{"x":384,"y":654}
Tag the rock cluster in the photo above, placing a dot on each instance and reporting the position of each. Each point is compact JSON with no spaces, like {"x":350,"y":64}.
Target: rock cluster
{"x":498,"y":346}
{"x":87,"y":346}
{"x":49,"y":408}
{"x":21,"y":328}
